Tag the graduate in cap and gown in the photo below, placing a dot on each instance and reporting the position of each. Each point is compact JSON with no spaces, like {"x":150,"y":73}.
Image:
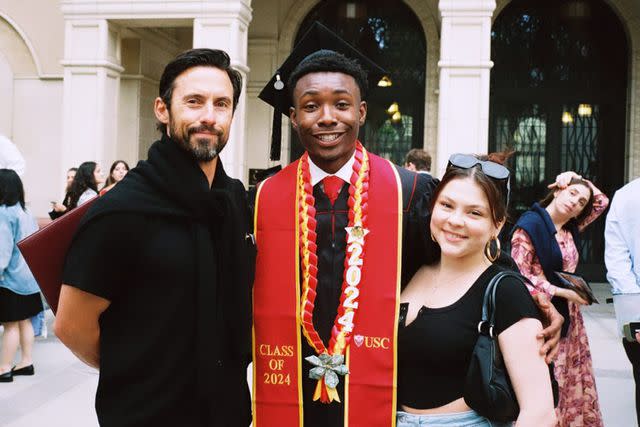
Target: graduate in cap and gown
{"x":338,"y":233}
{"x":329,"y":231}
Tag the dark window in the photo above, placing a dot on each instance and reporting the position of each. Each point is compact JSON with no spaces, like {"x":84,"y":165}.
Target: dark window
{"x":558,"y":97}
{"x":389,"y":33}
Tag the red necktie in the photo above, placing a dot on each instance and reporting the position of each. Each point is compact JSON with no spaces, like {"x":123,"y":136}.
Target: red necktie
{"x":332,"y":185}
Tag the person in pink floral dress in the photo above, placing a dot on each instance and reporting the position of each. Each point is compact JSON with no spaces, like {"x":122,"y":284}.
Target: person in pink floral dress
{"x":544,"y":241}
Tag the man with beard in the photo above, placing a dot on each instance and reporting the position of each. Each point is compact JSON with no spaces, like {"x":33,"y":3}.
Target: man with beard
{"x":156,"y":289}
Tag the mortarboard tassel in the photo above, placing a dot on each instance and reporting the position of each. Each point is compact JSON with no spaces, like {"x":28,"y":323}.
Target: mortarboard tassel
{"x":276,"y":130}
{"x":276,"y":135}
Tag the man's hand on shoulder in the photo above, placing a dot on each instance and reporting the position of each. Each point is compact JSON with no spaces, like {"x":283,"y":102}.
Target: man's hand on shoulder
{"x":77,"y":324}
{"x":553,"y":325}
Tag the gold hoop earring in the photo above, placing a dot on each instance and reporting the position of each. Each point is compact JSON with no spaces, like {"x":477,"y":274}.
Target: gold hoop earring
{"x":433,"y":239}
{"x":487,"y":249}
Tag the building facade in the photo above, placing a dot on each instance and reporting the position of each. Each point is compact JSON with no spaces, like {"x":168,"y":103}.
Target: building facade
{"x":78,"y":79}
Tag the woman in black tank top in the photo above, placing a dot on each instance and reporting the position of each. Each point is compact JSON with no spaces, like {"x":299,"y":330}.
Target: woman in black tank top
{"x":441,"y":307}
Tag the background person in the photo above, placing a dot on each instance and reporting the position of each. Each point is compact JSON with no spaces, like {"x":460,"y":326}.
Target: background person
{"x":19,"y":291}
{"x":59,"y":209}
{"x":85,"y":184}
{"x":545,"y":240}
{"x":442,"y":306}
{"x":621,"y":251}
{"x":10,"y":157}
{"x":118,"y":170}
{"x":418,"y":160}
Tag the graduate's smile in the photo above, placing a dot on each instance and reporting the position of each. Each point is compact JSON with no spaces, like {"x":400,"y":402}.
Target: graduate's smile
{"x":329,"y":139}
{"x":327,"y":115}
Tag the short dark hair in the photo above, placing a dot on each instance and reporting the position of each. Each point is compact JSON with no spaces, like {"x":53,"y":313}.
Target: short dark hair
{"x":197,"y":58}
{"x":11,"y":189}
{"x":332,"y":62}
{"x":588,"y":207}
{"x":420,"y":159}
{"x":495,"y":190}
{"x":83,"y":180}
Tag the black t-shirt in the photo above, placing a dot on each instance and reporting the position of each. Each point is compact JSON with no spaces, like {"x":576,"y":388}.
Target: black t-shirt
{"x":147,"y":334}
{"x":435,"y":349}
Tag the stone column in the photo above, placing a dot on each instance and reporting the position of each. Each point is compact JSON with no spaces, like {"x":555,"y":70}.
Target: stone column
{"x":91,"y":86}
{"x":465,"y":65}
{"x":263,"y":61}
{"x":228,"y":31}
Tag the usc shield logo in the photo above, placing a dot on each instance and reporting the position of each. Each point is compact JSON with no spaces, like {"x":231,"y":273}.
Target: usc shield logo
{"x":383,"y":343}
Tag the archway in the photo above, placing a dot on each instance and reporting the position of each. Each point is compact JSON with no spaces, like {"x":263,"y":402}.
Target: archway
{"x":392,"y":36}
{"x":558,"y":97}
{"x":17,"y":58}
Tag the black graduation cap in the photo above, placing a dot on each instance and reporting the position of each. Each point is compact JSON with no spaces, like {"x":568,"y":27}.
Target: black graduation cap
{"x":317,"y":38}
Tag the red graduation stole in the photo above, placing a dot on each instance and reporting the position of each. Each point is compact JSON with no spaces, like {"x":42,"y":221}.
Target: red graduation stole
{"x":370,"y":385}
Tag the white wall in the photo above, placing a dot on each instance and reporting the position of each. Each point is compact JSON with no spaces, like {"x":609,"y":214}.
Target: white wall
{"x":144,"y":55}
{"x":30,"y":106}
{"x":136,"y":121}
{"x":6,"y":96}
{"x":37,"y":126}
{"x":148,"y":132}
{"x":128,"y":115}
{"x":41,"y":24}
{"x":262,"y":61}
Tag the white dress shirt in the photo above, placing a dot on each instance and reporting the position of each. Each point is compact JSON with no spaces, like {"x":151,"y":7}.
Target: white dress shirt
{"x":344,"y":172}
{"x":622,"y":240}
{"x":87,"y":195}
{"x":622,"y":249}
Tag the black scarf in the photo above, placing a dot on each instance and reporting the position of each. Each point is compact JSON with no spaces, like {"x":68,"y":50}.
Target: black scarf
{"x":538,"y":225}
{"x":170,"y":183}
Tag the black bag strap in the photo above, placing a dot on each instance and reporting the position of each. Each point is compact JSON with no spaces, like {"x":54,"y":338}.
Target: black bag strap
{"x":488,"y":321}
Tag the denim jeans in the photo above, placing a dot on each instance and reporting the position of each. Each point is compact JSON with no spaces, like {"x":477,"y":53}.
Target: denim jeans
{"x":458,"y":419}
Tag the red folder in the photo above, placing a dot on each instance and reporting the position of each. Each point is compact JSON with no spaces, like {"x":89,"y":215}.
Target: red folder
{"x":46,"y":250}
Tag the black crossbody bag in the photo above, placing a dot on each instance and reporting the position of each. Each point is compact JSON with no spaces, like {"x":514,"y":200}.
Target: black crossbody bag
{"x":487,"y":388}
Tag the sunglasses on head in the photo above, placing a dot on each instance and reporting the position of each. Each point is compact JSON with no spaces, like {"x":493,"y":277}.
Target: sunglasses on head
{"x":491,"y":169}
